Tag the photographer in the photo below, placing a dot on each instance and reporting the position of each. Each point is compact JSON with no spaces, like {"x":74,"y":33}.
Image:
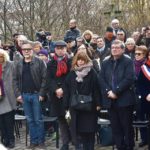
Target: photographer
{"x":45,"y":38}
{"x":41,"y":37}
{"x":50,"y":43}
{"x":144,"y":38}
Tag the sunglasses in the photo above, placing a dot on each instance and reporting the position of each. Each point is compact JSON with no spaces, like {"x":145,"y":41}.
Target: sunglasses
{"x":138,"y":54}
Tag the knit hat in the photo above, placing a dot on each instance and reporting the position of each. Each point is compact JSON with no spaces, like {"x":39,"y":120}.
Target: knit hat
{"x":48,"y":33}
{"x":109,"y":29}
{"x":43,"y":51}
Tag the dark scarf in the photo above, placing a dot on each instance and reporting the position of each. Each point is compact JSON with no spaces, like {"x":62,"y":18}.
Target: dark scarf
{"x":61,"y":65}
{"x":73,"y":28}
{"x":138,"y":64}
{"x":1,"y":81}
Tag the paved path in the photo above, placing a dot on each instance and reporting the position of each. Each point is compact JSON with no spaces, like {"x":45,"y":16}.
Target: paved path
{"x":51,"y":145}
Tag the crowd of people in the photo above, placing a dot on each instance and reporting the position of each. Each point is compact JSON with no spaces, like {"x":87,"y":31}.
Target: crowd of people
{"x":82,"y":74}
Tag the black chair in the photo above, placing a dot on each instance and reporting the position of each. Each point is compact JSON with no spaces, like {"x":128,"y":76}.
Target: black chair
{"x":53,"y":120}
{"x":49,"y":120}
{"x":142,"y":124}
{"x":18,"y":124}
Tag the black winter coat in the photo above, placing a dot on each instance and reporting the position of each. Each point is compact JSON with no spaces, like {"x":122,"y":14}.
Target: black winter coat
{"x":124,"y":81}
{"x":72,"y":33}
{"x":83,"y":121}
{"x":53,"y":83}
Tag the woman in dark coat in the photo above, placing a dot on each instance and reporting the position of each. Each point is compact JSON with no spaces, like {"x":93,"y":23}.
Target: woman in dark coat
{"x":140,"y":57}
{"x":83,"y":79}
{"x":57,"y":70}
{"x":144,"y":89}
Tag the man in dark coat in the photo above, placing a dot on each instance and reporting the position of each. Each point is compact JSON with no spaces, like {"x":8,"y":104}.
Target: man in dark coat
{"x":57,"y":70}
{"x":73,"y":32}
{"x":116,"y":80}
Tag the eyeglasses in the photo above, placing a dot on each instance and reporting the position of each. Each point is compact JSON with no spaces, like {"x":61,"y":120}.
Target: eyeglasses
{"x":115,"y":47}
{"x":26,"y":49}
{"x":138,"y":54}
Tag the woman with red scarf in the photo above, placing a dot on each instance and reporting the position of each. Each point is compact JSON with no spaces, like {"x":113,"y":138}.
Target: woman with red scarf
{"x":57,"y":70}
{"x":144,"y":89}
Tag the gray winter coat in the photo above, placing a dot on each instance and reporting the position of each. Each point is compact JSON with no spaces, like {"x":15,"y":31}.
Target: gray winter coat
{"x":9,"y":102}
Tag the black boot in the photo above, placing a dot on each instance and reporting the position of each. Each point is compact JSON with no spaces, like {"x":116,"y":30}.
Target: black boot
{"x":11,"y":145}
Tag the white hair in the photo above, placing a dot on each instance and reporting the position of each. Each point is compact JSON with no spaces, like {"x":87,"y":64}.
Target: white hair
{"x":22,"y":37}
{"x":114,"y":21}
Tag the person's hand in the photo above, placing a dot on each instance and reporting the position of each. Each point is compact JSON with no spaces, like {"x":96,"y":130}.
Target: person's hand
{"x":19,"y":99}
{"x":41,"y":98}
{"x":98,"y":108}
{"x":52,"y":54}
{"x":112,"y":95}
{"x":148,"y":97}
{"x":59,"y":93}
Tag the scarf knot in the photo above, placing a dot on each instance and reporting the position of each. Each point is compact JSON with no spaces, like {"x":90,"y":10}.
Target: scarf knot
{"x":62,"y":68}
{"x":82,"y":71}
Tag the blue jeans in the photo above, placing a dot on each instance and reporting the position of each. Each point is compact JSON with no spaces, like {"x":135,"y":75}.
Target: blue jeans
{"x":32,"y":109}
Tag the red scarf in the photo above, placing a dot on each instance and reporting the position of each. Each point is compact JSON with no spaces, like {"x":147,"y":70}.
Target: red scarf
{"x":61,"y":66}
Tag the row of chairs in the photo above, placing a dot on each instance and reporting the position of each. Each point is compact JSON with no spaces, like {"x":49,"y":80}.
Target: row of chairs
{"x":102,"y":123}
{"x":19,"y":118}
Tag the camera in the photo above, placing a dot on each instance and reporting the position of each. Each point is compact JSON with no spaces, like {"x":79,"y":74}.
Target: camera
{"x":41,"y":36}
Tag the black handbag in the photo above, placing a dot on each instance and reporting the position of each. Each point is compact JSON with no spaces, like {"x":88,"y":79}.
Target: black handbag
{"x":81,"y":102}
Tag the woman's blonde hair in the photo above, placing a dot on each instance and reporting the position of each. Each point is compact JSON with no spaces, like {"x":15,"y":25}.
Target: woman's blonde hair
{"x":80,"y":56}
{"x":5,"y":54}
{"x":87,"y":32}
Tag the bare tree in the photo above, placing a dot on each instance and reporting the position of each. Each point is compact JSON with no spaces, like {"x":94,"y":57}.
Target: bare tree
{"x":27,"y":16}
